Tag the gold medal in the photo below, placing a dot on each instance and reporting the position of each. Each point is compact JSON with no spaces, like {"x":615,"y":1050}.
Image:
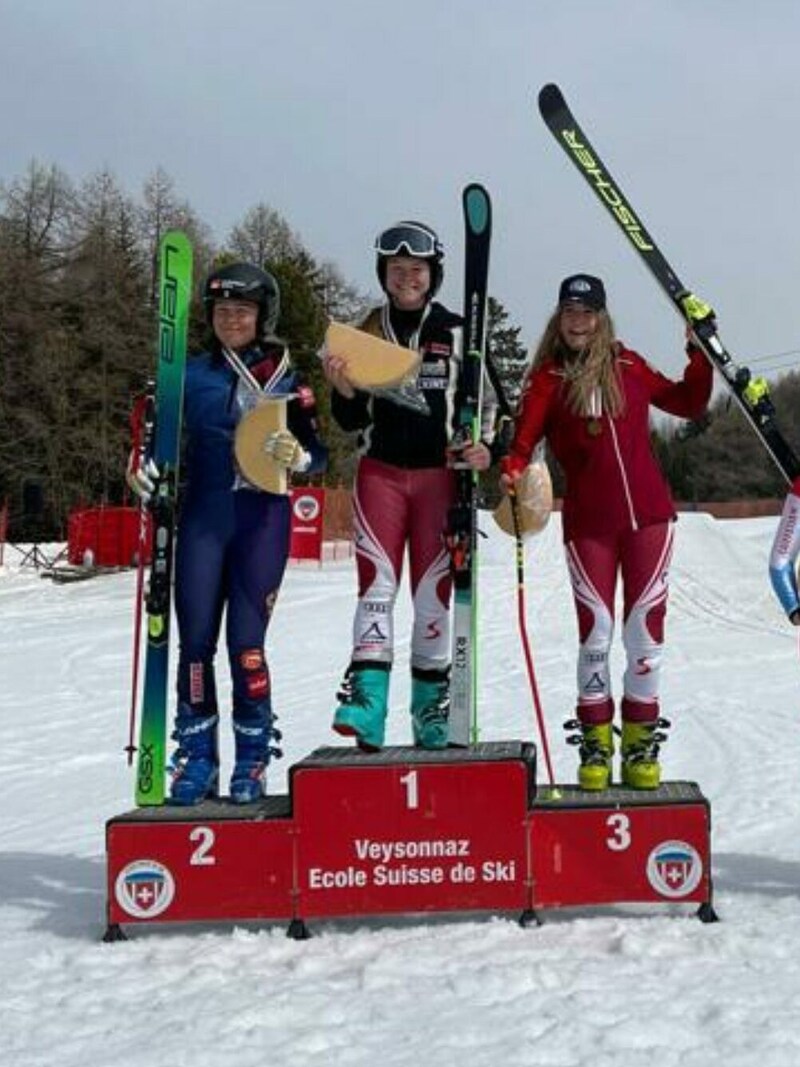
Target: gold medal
{"x":594,"y":427}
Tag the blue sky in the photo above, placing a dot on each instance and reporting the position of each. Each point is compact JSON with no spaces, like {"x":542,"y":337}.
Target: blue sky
{"x":350,"y":114}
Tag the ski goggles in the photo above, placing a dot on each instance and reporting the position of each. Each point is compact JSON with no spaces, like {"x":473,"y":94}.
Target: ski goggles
{"x":407,"y":239}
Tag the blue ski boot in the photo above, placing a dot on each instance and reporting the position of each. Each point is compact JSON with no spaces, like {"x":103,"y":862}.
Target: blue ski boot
{"x":254,"y":749}
{"x":363,"y":701}
{"x":195,"y":765}
{"x":430,"y":708}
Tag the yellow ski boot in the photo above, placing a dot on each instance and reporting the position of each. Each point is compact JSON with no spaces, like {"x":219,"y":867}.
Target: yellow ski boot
{"x":595,"y":748}
{"x":641,"y":742}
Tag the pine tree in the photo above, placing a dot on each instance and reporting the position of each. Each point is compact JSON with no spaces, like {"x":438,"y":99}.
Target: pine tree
{"x":509,"y":355}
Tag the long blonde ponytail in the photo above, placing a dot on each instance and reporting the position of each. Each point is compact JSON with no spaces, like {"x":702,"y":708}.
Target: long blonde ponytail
{"x":589,"y":373}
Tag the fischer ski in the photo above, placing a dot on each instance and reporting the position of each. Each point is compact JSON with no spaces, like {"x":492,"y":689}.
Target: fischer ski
{"x":751,"y":394}
{"x":462,"y":520}
{"x":175,"y":283}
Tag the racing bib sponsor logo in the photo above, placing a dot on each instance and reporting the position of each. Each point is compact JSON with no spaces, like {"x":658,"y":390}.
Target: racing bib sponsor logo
{"x":251,"y":659}
{"x":257,"y":685}
{"x":595,"y":684}
{"x":196,"y":687}
{"x":373,"y":633}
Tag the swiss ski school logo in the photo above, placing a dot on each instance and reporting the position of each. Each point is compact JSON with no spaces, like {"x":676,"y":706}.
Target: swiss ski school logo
{"x":674,"y":869}
{"x":306,"y":508}
{"x":144,"y":889}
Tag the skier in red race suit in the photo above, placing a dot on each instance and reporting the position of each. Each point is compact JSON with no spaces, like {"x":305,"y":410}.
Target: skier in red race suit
{"x":233,"y":538}
{"x":590,"y":397}
{"x":404,"y":488}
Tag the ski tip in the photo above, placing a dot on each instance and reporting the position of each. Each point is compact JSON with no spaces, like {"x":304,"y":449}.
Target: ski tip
{"x":477,"y":207}
{"x":473,"y":189}
{"x":551,"y":99}
{"x":176,"y":242}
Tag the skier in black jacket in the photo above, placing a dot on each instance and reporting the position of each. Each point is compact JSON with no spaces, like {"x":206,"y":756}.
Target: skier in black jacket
{"x":404,"y":488}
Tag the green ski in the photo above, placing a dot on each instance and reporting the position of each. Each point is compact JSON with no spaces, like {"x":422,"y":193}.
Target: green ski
{"x":175,"y":284}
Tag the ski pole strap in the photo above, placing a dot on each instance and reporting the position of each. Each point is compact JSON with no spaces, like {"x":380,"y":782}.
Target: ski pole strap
{"x":142,"y":421}
{"x":149,"y":417}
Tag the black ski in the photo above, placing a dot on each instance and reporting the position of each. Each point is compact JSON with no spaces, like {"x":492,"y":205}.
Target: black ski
{"x":751,"y":393}
{"x":462,"y":522}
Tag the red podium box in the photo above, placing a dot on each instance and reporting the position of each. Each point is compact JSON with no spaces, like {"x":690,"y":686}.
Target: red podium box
{"x":404,"y":830}
{"x":409,"y":831}
{"x":621,"y":846}
{"x":207,"y":863}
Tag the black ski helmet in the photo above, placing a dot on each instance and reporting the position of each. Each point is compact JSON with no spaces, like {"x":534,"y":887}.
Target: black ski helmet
{"x":409,"y":238}
{"x":242,"y":281}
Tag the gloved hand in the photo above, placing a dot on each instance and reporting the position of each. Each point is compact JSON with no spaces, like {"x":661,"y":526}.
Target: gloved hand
{"x":512,"y":467}
{"x":141,"y":475}
{"x":286,"y":450}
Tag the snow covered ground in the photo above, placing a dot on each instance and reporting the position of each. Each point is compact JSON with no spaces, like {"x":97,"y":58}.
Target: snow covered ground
{"x":617,"y":988}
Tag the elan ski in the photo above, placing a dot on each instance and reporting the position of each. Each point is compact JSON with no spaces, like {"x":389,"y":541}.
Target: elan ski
{"x":175,"y":284}
{"x":462,"y":522}
{"x":751,"y":393}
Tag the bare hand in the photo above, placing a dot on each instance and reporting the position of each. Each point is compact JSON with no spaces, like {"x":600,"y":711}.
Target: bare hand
{"x":335,"y":369}
{"x":477,"y":456}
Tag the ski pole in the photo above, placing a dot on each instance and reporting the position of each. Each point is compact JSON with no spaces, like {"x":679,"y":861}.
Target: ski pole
{"x":148,"y":425}
{"x":523,"y":630}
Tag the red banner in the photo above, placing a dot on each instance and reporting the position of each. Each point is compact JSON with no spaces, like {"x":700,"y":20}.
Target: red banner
{"x":308,"y":507}
{"x":106,"y":537}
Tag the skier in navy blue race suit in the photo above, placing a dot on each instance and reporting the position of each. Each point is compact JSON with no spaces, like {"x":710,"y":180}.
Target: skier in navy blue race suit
{"x":232,"y":538}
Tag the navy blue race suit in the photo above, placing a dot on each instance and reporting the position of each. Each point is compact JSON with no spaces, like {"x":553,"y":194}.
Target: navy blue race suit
{"x":232,"y":539}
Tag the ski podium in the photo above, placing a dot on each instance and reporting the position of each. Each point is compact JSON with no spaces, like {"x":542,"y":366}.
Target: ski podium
{"x":466,"y":829}
{"x":405,"y":831}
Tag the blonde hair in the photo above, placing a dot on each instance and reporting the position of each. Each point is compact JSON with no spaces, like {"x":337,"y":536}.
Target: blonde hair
{"x":587,"y":372}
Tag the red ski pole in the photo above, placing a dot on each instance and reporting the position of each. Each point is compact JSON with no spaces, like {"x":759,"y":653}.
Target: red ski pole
{"x":523,"y":630}
{"x":144,"y":424}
